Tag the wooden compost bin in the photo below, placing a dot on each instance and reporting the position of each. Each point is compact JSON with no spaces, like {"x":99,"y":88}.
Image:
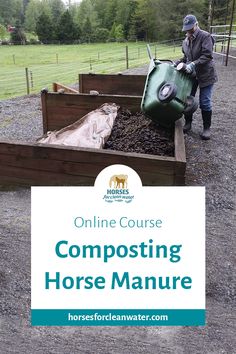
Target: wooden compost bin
{"x":44,"y":164}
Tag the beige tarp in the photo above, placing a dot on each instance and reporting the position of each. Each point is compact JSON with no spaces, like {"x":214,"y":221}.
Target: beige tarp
{"x":92,"y":130}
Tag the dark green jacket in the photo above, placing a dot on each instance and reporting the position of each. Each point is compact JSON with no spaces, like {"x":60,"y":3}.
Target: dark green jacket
{"x":199,"y":49}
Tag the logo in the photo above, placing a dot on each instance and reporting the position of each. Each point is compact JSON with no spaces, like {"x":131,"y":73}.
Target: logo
{"x":118,"y":181}
{"x":118,"y":189}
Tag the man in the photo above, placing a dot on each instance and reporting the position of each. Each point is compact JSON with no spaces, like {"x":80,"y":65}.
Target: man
{"x":198,"y":55}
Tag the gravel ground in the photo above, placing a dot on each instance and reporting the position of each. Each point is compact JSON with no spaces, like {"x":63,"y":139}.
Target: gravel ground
{"x":210,"y":164}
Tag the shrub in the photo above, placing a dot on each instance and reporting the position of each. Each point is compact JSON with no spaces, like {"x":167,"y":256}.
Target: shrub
{"x":100,"y":35}
{"x":34,"y":41}
{"x":5,"y":42}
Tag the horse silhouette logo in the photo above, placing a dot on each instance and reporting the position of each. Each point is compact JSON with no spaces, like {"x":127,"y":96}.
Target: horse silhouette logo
{"x":118,"y":181}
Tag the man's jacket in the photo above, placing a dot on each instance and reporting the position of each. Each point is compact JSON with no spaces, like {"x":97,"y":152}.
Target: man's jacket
{"x":199,"y":50}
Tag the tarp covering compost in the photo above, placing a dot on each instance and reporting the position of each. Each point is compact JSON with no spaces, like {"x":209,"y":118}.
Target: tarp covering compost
{"x":91,"y":131}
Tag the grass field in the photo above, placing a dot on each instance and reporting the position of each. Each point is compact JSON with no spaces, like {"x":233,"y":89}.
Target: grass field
{"x":62,"y":63}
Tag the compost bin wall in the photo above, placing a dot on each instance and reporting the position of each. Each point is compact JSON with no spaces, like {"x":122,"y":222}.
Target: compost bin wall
{"x":41,"y":164}
{"x":130,"y":85}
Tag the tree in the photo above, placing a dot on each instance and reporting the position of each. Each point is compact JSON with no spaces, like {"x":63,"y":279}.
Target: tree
{"x":116,"y":32}
{"x":25,"y":4}
{"x":32,"y":14}
{"x":86,"y":31}
{"x":99,"y":6}
{"x":67,"y":31}
{"x":45,"y":28}
{"x":140,"y":21}
{"x":148,"y":20}
{"x":57,"y":9}
{"x":221,"y":11}
{"x":119,"y":33}
{"x":18,"y":12}
{"x":18,"y":35}
{"x":171,"y":14}
{"x":10,"y":11}
{"x":112,"y":34}
{"x":124,"y":12}
{"x":3,"y":32}
{"x":86,"y":12}
{"x":110,"y":10}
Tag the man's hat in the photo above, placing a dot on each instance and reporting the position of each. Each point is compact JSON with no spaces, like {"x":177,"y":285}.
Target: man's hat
{"x":189,"y":22}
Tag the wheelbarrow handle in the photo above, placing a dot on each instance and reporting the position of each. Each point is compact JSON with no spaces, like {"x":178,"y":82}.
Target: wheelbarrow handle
{"x":151,"y":57}
{"x":149,"y":52}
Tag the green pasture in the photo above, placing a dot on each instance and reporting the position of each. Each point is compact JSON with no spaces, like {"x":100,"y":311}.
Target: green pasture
{"x":62,"y":63}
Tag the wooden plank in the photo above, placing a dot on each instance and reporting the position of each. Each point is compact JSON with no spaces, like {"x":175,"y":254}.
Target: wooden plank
{"x":179,"y":180}
{"x":71,"y":152}
{"x":9,"y":175}
{"x":83,"y":156}
{"x":64,"y":109}
{"x":156,"y":179}
{"x":57,"y":87}
{"x":180,"y":153}
{"x":81,"y":84}
{"x":13,"y":175}
{"x":48,"y":165}
{"x":180,"y":169}
{"x":78,"y":169}
{"x":44,"y":110}
{"x":17,"y":175}
{"x":81,"y":101}
{"x":132,"y":85}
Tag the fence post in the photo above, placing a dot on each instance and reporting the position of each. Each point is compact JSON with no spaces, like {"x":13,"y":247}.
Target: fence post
{"x":230,"y":33}
{"x":127,"y":57}
{"x":14,"y":59}
{"x":27,"y":80}
{"x":31,"y":80}
{"x":57,"y":58}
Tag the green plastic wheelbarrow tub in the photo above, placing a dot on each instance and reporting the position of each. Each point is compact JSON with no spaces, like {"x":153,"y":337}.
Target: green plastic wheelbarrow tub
{"x":166,"y":93}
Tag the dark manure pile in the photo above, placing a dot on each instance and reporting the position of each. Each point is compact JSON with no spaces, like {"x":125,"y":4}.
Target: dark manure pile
{"x":137,"y":133}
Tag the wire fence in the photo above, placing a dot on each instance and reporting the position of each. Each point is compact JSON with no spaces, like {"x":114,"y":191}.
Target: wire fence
{"x":19,"y":80}
{"x":225,"y":41}
{"x":44,"y":69}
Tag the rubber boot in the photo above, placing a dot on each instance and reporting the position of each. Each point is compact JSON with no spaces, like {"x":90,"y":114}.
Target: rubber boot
{"x":206,"y":117}
{"x":188,"y":123}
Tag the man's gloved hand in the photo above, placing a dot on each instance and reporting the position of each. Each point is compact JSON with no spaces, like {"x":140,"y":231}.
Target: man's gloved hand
{"x":190,"y":68}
